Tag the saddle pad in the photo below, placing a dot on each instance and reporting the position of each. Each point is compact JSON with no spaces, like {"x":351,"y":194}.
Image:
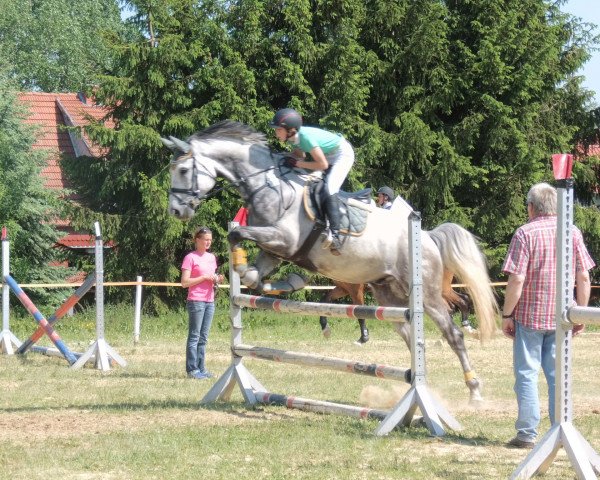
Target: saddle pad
{"x":354,"y":213}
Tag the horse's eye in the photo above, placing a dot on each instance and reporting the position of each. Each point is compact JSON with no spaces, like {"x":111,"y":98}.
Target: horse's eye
{"x":184,"y":171}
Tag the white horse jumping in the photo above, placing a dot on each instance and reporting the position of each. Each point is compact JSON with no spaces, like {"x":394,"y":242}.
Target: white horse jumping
{"x":283,"y":230}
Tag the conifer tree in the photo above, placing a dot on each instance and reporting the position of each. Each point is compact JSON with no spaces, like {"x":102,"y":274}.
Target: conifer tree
{"x":26,"y":207}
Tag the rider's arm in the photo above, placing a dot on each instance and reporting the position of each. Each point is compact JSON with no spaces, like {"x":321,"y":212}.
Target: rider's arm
{"x":319,"y":161}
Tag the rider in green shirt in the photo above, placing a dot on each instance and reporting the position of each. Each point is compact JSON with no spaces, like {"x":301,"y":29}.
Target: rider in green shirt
{"x":330,"y":152}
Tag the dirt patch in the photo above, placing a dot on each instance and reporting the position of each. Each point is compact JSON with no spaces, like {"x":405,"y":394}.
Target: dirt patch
{"x":74,"y":423}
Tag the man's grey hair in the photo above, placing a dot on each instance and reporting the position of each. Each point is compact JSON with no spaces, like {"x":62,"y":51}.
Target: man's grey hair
{"x":542,"y":198}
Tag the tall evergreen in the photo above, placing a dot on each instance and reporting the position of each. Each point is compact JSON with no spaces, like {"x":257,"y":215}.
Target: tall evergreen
{"x":27,"y":208}
{"x":456,"y":105}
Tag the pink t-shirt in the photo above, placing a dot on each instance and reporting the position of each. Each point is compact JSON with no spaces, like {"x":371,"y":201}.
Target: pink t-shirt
{"x":198,"y":265}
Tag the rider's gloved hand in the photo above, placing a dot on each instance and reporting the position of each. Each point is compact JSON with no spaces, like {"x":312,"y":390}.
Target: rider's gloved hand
{"x":290,"y":162}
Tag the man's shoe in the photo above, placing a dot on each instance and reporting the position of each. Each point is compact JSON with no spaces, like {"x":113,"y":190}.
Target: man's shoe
{"x":518,"y":443}
{"x":207,"y":374}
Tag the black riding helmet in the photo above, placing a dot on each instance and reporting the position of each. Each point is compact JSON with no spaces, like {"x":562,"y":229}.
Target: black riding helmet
{"x":386,"y":191}
{"x":287,"y":118}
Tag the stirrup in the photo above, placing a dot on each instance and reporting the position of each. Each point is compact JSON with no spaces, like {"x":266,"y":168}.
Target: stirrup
{"x":335,"y":246}
{"x":327,"y":240}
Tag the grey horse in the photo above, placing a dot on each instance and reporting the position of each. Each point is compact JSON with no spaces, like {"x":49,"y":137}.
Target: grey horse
{"x":279,"y":225}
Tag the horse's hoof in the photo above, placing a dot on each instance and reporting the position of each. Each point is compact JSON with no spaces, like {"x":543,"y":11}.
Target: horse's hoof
{"x":234,"y":237}
{"x":358,"y":343}
{"x":470,"y":332}
{"x":327,"y":332}
{"x":476,"y":402}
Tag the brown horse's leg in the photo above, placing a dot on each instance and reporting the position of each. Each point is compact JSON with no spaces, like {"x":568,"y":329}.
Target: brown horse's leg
{"x":457,"y":301}
{"x":342,"y":289}
{"x":330,"y":296}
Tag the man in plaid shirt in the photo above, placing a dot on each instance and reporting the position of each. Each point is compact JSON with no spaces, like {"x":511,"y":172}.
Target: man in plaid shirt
{"x":529,"y":305}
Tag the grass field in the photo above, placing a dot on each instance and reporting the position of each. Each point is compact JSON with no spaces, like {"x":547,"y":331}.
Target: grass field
{"x":145,"y":421}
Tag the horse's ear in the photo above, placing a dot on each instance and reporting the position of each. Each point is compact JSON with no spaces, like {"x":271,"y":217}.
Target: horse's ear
{"x":168,"y":143}
{"x":180,"y":144}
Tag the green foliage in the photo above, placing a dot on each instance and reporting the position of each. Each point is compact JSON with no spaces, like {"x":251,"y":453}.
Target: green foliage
{"x":56,"y":45}
{"x":455,"y":105}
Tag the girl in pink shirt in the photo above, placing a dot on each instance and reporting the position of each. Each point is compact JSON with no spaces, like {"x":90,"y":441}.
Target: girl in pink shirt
{"x":198,"y":275}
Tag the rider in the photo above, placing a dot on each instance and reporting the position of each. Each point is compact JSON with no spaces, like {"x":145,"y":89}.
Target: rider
{"x":329,"y":151}
{"x":385,"y":197}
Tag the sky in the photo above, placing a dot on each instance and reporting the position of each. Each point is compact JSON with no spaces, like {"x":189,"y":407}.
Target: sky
{"x":588,"y":11}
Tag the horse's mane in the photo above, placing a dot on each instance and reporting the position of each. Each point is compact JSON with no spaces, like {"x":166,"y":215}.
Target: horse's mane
{"x":230,"y":130}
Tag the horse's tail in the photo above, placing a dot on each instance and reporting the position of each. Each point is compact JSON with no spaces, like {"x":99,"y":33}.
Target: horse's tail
{"x":462,"y":256}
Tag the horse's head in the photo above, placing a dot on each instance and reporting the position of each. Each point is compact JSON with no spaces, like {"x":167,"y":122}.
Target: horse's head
{"x":190,"y":183}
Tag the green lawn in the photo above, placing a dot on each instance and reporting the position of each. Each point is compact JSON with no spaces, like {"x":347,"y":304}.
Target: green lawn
{"x":145,"y":421}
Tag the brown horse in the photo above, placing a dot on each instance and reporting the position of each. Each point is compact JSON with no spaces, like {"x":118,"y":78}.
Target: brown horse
{"x":457,"y":302}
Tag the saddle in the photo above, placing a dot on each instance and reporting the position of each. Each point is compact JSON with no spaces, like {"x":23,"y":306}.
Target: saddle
{"x":354,"y":207}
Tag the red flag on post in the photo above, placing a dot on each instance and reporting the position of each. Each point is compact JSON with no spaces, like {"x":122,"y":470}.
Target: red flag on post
{"x":562,"y":165}
{"x":241,"y":216}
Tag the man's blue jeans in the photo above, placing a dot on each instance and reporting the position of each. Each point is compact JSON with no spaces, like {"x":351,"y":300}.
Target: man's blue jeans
{"x":532,"y":349}
{"x":200,"y":316}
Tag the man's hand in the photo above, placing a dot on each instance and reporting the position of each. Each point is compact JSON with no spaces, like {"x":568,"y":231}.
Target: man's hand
{"x":508,"y":327}
{"x":578,"y":328}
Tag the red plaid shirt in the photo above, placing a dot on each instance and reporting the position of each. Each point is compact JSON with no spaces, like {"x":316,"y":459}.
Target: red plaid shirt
{"x":532,"y":253}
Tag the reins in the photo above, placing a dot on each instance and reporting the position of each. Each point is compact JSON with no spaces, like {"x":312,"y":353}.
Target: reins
{"x":197,"y":198}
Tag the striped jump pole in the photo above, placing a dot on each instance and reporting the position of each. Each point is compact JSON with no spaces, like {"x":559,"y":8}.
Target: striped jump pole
{"x":7,"y":339}
{"x":102,"y":351}
{"x":31,"y":308}
{"x":340,"y":364}
{"x":388,"y":314}
{"x":60,"y":312}
{"x":319,"y":406}
{"x":53,"y":352}
{"x":434,"y":414}
{"x":563,"y":433}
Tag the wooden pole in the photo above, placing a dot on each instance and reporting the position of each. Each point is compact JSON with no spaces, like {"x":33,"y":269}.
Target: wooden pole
{"x":330,"y":363}
{"x":319,"y":406}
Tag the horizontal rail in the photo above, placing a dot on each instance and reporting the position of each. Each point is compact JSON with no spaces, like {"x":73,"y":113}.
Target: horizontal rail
{"x":386,"y":314}
{"x":340,"y":364}
{"x":53,"y":352}
{"x":586,"y":315}
{"x":318,"y":406}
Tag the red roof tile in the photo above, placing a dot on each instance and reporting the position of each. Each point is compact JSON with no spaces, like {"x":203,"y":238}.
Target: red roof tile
{"x":77,"y":240}
{"x":51,"y":112}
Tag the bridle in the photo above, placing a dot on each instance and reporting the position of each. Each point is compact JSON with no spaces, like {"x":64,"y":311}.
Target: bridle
{"x":194,"y":192}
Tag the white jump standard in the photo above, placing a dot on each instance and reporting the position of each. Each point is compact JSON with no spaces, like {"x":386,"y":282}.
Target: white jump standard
{"x":563,"y":433}
{"x":434,"y":414}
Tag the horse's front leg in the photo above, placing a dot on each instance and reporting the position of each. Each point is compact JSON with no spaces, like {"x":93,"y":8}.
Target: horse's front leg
{"x":271,"y":239}
{"x":251,"y":275}
{"x":274,"y":246}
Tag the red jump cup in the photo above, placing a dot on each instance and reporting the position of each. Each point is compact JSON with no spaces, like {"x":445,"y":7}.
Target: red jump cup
{"x":562,"y":165}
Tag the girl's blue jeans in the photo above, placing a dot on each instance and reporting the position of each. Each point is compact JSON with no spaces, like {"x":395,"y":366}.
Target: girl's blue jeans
{"x":532,"y":349}
{"x":200,"y":316}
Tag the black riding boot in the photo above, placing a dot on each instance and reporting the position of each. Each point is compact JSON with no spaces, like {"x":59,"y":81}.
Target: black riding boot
{"x":332,"y":207}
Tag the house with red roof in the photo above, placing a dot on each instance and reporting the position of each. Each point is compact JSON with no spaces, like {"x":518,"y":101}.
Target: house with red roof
{"x":52,"y":113}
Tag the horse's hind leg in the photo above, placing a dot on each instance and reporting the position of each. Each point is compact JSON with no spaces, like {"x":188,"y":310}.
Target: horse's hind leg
{"x":439,"y":314}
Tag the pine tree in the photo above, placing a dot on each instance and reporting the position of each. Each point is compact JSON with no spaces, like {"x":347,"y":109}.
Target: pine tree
{"x":26,"y":207}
